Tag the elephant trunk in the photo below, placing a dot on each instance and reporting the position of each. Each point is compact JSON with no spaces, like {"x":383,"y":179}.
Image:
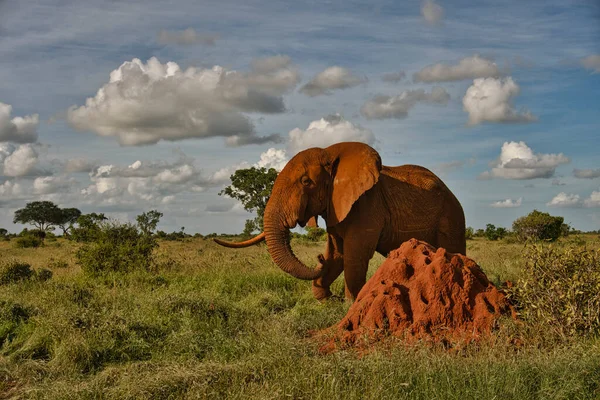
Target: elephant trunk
{"x":277,"y":235}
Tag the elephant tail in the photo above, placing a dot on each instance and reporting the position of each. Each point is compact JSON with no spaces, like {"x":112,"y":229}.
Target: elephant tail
{"x":238,"y":245}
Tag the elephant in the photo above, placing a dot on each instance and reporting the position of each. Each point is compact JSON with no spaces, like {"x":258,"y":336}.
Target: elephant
{"x":366,"y":206}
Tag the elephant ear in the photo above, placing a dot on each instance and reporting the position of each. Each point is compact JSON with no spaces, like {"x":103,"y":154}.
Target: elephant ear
{"x":355,"y":169}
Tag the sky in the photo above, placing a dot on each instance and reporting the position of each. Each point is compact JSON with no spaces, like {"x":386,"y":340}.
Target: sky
{"x":126,"y":106}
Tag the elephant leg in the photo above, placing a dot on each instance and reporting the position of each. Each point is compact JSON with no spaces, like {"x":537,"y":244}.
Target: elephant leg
{"x":333,"y":264}
{"x":358,"y":251}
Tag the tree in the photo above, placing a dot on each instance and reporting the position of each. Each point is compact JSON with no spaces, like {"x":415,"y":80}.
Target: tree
{"x":65,"y":219}
{"x":89,"y":227}
{"x":539,"y":225}
{"x":252,"y":187}
{"x":149,"y":220}
{"x":493,"y":233}
{"x":41,"y":214}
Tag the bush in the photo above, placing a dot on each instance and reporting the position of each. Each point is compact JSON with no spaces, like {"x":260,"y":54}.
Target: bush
{"x":493,"y":233}
{"x":28,"y":241}
{"x":117,"y":248}
{"x":561,"y":289}
{"x":12,"y":271}
{"x":539,"y":225}
{"x":316,"y":234}
{"x":469,"y":233}
{"x":44,"y":275}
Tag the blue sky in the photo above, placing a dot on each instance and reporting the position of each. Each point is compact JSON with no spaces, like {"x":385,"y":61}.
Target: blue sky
{"x":499,"y":98}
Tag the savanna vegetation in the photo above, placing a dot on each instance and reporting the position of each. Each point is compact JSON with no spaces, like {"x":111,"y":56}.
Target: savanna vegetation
{"x":190,"y":319}
{"x":115,"y":310}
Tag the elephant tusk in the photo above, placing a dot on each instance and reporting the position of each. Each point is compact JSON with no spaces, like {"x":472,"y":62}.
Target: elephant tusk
{"x":237,"y":245}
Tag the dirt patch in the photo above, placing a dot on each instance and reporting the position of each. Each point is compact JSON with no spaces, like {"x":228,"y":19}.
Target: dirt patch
{"x":422,"y":293}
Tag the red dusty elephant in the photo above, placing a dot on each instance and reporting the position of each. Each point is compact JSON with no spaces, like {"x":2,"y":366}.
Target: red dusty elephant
{"x":367,"y":207}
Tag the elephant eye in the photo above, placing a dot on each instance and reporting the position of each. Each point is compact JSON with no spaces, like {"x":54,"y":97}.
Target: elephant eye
{"x":305,"y":180}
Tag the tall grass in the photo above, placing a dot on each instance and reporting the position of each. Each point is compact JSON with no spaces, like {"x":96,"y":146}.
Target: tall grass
{"x":209,"y":322}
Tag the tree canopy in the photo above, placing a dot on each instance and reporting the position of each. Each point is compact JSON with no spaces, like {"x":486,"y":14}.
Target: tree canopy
{"x":41,"y":214}
{"x":252,"y":187}
{"x":45,"y":215}
{"x":539,"y":225}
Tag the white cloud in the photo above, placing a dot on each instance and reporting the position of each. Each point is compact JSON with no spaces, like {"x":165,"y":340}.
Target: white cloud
{"x":489,"y":99}
{"x":273,"y":158}
{"x":381,"y":106}
{"x":507,"y":203}
{"x":10,"y":189}
{"x":565,"y":200}
{"x":17,"y":129}
{"x":467,"y":68}
{"x":432,"y":12}
{"x":186,"y":37}
{"x":330,"y":79}
{"x":592,"y":63}
{"x":145,"y":103}
{"x":78,"y":165}
{"x":327,"y":131}
{"x":593,"y":201}
{"x":518,"y":161}
{"x":21,"y":162}
{"x":586,"y":173}
{"x":51,"y":184}
{"x":393,"y":77}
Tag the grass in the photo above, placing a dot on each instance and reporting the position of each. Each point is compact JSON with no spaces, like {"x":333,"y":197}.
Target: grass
{"x":221,"y":323}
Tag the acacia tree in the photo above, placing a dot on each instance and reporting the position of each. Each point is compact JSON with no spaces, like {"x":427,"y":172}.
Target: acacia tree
{"x":252,"y":187}
{"x":66,"y":217}
{"x":41,"y":214}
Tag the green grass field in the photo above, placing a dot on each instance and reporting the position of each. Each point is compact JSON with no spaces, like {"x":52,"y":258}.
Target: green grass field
{"x":222,"y":323}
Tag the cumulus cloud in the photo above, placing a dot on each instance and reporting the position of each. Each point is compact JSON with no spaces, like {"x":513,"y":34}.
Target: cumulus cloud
{"x":507,"y":203}
{"x":186,"y":37}
{"x":21,"y":161}
{"x":382,"y":106}
{"x":331,"y":78}
{"x":518,"y":161}
{"x":593,"y":201}
{"x":393,"y":77}
{"x":489,"y":100}
{"x":17,"y":129}
{"x":10,"y":189}
{"x":586,"y":173}
{"x":273,"y":158}
{"x":592,"y":63}
{"x":78,"y":165}
{"x":145,"y":103}
{"x":52,"y":184}
{"x":327,"y":131}
{"x":565,"y":200}
{"x":557,"y":182}
{"x":432,"y":12}
{"x":467,"y":68}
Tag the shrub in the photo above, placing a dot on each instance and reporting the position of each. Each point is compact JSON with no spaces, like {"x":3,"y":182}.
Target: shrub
{"x":469,"y":233}
{"x":28,"y":241}
{"x":560,"y":288}
{"x":539,"y":225}
{"x":316,"y":234}
{"x":117,"y":248}
{"x":43,"y":275}
{"x":12,"y":271}
{"x":493,"y":233}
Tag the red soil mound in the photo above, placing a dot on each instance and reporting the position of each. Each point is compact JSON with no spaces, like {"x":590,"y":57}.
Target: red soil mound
{"x":419,"y":292}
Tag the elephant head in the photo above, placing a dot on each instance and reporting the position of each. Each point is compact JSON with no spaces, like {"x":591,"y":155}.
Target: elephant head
{"x":315,"y":182}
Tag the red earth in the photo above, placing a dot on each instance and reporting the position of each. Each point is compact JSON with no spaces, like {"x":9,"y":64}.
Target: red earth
{"x":422,"y":293}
